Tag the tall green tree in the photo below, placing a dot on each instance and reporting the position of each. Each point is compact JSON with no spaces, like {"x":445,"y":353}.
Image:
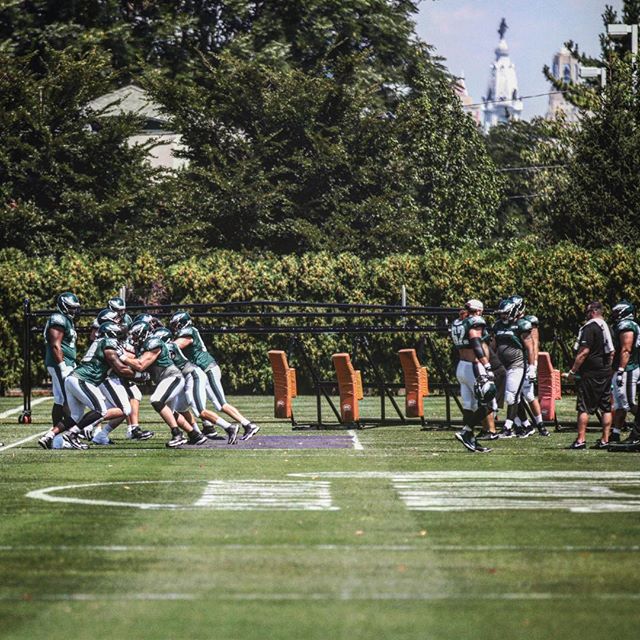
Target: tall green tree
{"x":68,"y":177}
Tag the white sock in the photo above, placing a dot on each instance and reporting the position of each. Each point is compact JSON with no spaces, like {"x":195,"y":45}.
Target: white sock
{"x":244,"y":422}
{"x":508,"y":424}
{"x":538,"y":419}
{"x":221,"y":422}
{"x":107,"y":428}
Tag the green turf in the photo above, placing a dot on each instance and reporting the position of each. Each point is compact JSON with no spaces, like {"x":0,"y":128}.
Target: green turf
{"x":370,"y":569}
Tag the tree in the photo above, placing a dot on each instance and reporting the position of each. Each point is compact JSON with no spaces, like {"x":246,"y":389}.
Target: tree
{"x":291,"y":161}
{"x":62,"y":167}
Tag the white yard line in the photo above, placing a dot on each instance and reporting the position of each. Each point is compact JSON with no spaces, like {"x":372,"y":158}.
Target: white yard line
{"x":19,"y":442}
{"x":391,"y":548}
{"x":357,"y":445}
{"x":10,"y":412}
{"x":284,"y":597}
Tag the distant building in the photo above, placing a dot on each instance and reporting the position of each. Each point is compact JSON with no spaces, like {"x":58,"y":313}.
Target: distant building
{"x":502,"y":102}
{"x":460,"y":88}
{"x":133,"y":99}
{"x":565,"y":68}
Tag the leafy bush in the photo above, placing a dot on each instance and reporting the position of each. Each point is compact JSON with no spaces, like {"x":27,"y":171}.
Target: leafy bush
{"x":555,"y":282}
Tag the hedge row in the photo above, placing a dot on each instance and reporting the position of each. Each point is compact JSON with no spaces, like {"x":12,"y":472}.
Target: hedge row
{"x":555,"y":282}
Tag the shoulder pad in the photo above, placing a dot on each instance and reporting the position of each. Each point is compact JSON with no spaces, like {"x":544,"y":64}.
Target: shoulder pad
{"x":95,"y":324}
{"x":627,"y":325}
{"x":152,"y":343}
{"x":58,"y":320}
{"x":110,"y":343}
{"x":185,"y":332}
{"x":533,"y":320}
{"x":476,"y":321}
{"x":524,"y":325}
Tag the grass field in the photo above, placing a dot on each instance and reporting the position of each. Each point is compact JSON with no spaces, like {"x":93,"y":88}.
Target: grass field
{"x":401,"y":535}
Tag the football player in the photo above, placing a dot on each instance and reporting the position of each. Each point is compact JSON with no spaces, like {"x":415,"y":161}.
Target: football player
{"x":82,"y":388}
{"x":153,"y":354}
{"x":626,"y":364}
{"x":473,"y":372}
{"x":528,"y":389}
{"x":512,"y":337}
{"x":195,"y":388}
{"x":119,"y":392}
{"x":188,"y":338}
{"x":60,"y":349}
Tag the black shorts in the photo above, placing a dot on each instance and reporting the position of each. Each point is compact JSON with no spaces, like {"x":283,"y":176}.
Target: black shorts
{"x":593,"y":394}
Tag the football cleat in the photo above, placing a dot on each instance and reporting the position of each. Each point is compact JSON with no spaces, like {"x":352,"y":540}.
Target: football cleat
{"x":543,"y":431}
{"x":600,"y":445}
{"x":72,"y":440}
{"x":176,"y":441}
{"x":577,"y":445}
{"x":525,"y":432}
{"x":480,"y":449}
{"x":487,"y":435}
{"x":467,"y":439}
{"x":46,"y":442}
{"x":195,"y":437}
{"x":507,"y":433}
{"x":139,"y":434}
{"x":232,"y":433}
{"x":101,"y":438}
{"x":250,"y":430}
{"x":209,"y":431}
{"x":614,"y":436}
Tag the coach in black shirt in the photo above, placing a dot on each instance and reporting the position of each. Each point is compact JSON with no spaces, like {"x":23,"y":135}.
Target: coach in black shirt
{"x":592,"y":372}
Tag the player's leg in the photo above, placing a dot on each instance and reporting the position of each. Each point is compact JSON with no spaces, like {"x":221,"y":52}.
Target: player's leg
{"x":196,"y":391}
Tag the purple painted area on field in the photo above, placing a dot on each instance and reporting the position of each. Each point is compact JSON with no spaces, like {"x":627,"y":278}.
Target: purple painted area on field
{"x":282,"y":442}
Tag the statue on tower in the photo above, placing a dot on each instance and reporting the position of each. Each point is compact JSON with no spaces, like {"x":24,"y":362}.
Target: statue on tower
{"x":503,"y":28}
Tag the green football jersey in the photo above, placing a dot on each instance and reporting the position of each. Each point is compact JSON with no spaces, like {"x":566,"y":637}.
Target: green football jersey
{"x":94,"y":367}
{"x":460,"y":330}
{"x":178,"y":358}
{"x":69,"y":352}
{"x":634,"y":358}
{"x":163,"y":367}
{"x":196,"y":352}
{"x":510,"y":341}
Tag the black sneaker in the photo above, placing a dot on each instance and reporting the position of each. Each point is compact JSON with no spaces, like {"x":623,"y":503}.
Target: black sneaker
{"x":480,"y":449}
{"x":195,"y":437}
{"x":139,"y":434}
{"x":467,"y":439}
{"x":543,"y":431}
{"x":176,"y":440}
{"x":209,"y":431}
{"x":577,"y":445}
{"x":525,"y":432}
{"x":232,"y":433}
{"x":250,"y":430}
{"x":487,"y":435}
{"x":599,"y":444}
{"x":46,"y":442}
{"x":507,"y":433}
{"x":72,"y":440}
{"x":632,"y":438}
{"x":614,"y":436}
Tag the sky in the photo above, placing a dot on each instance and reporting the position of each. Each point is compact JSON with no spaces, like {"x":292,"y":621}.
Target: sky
{"x":465,"y":33}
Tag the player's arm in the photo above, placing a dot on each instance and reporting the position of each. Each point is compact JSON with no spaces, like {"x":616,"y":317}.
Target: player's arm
{"x":54,"y":337}
{"x":475,"y":342}
{"x":113,"y":360}
{"x":143,"y":362}
{"x":626,"y":347}
{"x":183,"y":341}
{"x":535,"y":337}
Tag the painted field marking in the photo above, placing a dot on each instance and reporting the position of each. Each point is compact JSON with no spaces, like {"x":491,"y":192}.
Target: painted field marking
{"x":10,"y":412}
{"x":261,"y":495}
{"x":351,"y":548}
{"x":346,"y":596}
{"x":11,"y":445}
{"x":357,"y":445}
{"x":575,"y":491}
{"x":221,"y":495}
